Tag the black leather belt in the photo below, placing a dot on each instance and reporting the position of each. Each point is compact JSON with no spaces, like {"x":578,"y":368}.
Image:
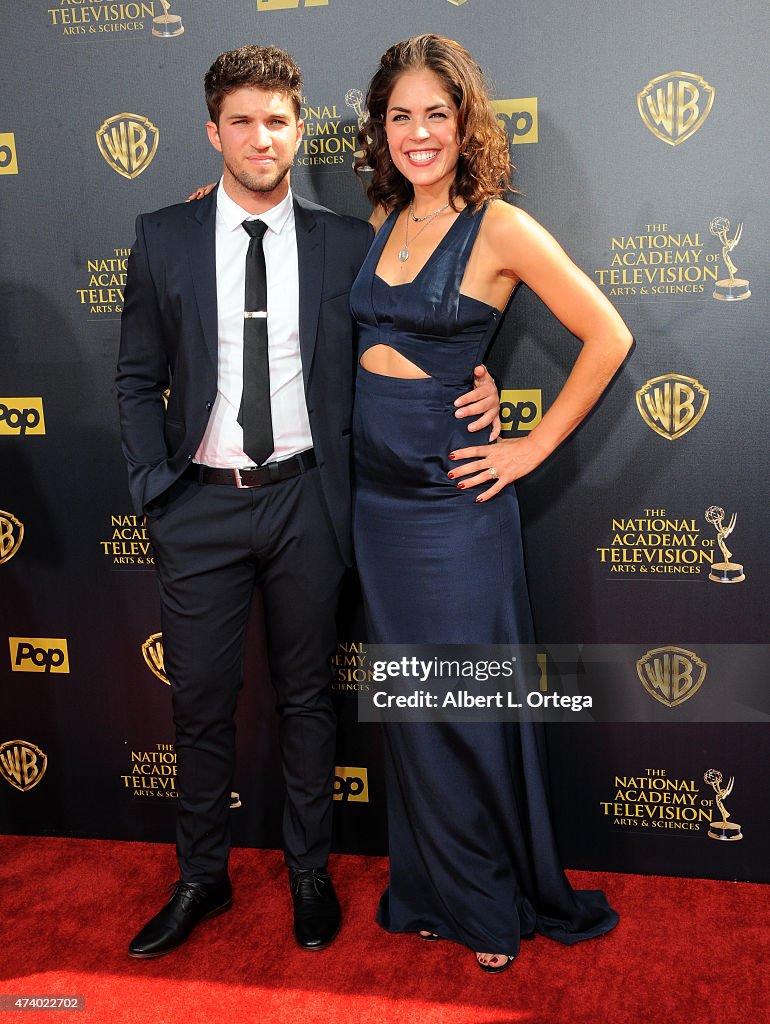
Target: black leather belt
{"x":257,"y":477}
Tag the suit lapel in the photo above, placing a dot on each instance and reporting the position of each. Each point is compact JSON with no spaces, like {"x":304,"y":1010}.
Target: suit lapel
{"x":201,"y":251}
{"x":310,"y":260}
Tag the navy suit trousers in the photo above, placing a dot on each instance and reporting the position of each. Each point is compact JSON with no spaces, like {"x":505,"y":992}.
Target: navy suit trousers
{"x":213,"y":544}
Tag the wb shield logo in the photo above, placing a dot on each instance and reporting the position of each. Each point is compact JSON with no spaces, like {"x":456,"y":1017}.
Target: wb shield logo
{"x":518,"y":118}
{"x":152,"y":651}
{"x":11,"y":536}
{"x":674,"y":106}
{"x":672,"y":404}
{"x":351,"y":785}
{"x":128,"y":142}
{"x":22,"y":764}
{"x":520,"y":410}
{"x":671,"y":674}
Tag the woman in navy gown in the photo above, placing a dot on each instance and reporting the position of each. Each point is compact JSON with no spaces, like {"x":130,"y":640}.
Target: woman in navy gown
{"x":436,"y":523}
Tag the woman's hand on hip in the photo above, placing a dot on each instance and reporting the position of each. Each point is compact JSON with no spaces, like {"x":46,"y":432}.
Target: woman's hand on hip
{"x":496,"y":465}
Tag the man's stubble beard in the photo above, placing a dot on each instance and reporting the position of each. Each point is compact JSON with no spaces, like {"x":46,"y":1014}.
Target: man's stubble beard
{"x":253,"y":183}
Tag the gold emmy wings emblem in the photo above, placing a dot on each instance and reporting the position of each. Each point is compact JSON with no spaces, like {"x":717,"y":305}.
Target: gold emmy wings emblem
{"x":128,"y":142}
{"x":671,"y":674}
{"x":354,"y":99}
{"x":674,"y":106}
{"x":726,"y":831}
{"x":672,"y":404}
{"x":152,"y":651}
{"x":166,"y":25}
{"x":22,"y":764}
{"x":732,"y":288}
{"x":726,"y":571}
{"x":11,"y":536}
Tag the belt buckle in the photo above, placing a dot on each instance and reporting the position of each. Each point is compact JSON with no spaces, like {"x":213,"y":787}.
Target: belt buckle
{"x":240,"y":484}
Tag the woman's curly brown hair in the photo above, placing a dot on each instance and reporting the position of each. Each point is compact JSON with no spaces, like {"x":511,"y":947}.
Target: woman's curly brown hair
{"x":484,"y":167}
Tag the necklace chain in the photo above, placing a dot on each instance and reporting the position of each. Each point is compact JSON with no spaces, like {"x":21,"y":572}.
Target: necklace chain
{"x":427,"y":216}
{"x":403,"y":253}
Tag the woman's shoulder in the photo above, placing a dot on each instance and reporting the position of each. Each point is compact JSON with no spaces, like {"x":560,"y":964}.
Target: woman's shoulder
{"x":509,"y":229}
{"x":501,"y":218}
{"x":379,"y":215}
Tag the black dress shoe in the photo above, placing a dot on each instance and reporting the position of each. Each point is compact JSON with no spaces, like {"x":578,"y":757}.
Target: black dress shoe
{"x":317,"y":913}
{"x":190,"y":903}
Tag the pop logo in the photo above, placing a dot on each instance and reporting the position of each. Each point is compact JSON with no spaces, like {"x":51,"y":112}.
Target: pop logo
{"x":20,"y":416}
{"x":38,"y":654}
{"x":521,"y":410}
{"x":289,"y":5}
{"x":518,"y":118}
{"x":351,"y":785}
{"x":8,"y":164}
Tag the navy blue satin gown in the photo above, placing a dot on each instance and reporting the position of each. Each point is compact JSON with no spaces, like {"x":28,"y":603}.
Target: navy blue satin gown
{"x":472,"y":850}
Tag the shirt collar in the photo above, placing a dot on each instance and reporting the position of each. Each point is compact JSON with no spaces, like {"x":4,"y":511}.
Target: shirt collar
{"x":232,"y":215}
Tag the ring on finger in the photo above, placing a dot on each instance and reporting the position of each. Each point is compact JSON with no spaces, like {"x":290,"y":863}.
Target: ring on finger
{"x":493,"y":472}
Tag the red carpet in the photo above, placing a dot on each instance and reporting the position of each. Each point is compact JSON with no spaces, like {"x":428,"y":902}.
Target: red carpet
{"x":684,"y":951}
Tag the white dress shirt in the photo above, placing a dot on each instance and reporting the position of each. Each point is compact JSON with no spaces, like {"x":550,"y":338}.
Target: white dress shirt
{"x":222,"y":444}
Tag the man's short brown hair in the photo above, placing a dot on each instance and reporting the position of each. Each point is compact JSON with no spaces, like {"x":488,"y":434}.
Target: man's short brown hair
{"x":262,"y":67}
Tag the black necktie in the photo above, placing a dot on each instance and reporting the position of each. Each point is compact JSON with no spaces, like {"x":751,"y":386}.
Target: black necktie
{"x":254,"y":415}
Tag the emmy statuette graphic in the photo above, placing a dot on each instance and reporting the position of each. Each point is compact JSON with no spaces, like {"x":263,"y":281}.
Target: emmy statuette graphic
{"x":726,"y":571}
{"x":166,"y":25}
{"x":354,"y":99}
{"x":732,"y":288}
{"x":724,"y":830}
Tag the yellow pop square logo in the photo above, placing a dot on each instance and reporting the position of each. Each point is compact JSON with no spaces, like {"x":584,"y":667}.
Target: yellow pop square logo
{"x":8,"y":162}
{"x":521,"y":409}
{"x":289,"y":5}
{"x":518,"y":118}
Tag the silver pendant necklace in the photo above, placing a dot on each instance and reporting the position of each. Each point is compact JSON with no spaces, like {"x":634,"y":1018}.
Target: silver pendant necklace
{"x":403,"y":253}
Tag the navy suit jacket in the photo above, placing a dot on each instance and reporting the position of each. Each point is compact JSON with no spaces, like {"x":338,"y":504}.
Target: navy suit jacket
{"x":169,"y":340}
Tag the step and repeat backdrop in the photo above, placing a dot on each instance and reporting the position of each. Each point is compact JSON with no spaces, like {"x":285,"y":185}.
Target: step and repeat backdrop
{"x":638,"y":136}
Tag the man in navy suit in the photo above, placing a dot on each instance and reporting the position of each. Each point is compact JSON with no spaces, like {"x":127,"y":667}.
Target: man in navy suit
{"x":221,"y":524}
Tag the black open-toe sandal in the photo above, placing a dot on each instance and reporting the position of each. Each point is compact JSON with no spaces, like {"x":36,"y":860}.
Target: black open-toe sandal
{"x":507,"y":957}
